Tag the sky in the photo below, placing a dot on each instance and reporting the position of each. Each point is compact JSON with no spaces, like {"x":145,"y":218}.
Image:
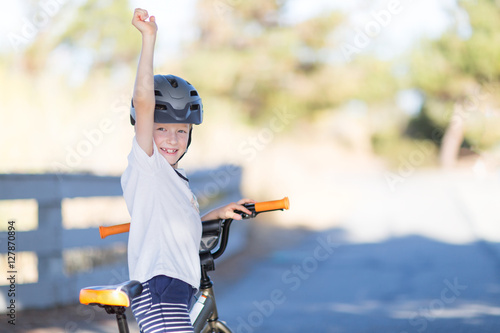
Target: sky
{"x":179,"y":14}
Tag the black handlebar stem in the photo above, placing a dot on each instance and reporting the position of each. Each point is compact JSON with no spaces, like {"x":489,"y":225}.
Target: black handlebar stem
{"x":226,"y":224}
{"x":217,"y":233}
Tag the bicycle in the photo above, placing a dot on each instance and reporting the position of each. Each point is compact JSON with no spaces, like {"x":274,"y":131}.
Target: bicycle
{"x":203,"y":312}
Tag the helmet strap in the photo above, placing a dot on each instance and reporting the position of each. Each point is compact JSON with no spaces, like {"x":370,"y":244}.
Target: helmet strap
{"x":189,"y":142}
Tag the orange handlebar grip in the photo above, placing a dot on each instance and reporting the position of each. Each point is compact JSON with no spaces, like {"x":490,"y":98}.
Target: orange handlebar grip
{"x":114,"y":229}
{"x":272,"y":205}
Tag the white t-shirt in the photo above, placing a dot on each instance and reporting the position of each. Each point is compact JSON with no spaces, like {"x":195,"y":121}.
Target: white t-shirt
{"x":165,"y":228}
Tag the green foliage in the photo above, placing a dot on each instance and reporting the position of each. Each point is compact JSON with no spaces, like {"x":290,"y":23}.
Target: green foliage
{"x":456,"y":69}
{"x":446,"y":66}
{"x":482,"y":51}
{"x":104,"y":27}
{"x":399,"y":151}
{"x":101,"y":28}
{"x":248,"y":56}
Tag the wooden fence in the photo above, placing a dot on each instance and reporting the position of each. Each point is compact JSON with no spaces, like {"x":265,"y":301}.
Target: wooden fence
{"x":51,"y":239}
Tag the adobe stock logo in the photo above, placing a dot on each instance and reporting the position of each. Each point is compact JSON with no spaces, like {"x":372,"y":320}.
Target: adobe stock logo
{"x":372,"y":29}
{"x":225,"y":8}
{"x":253,"y":144}
{"x":45,"y":11}
{"x":292,"y":279}
{"x":94,"y":137}
{"x":420,"y":319}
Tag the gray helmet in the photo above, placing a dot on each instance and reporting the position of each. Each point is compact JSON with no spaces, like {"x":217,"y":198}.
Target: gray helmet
{"x":177,"y":101}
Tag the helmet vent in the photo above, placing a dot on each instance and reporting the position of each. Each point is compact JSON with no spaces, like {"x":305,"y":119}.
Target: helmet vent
{"x":194,"y":107}
{"x":160,"y":107}
{"x":158,"y":93}
{"x":194,"y":93}
{"x":173,"y":82}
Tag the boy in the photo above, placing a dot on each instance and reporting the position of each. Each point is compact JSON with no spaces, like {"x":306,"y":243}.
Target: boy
{"x":165,"y":231}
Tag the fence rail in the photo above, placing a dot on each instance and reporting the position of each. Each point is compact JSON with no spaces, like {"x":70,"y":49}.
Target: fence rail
{"x":51,"y":239}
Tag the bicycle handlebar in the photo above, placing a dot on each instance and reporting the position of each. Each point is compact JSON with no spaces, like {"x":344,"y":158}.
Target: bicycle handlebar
{"x":258,"y":207}
{"x":114,"y":229}
{"x":268,"y":206}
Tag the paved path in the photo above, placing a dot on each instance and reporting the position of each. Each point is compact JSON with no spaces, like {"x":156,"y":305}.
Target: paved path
{"x":422,"y":258}
{"x":408,"y":284}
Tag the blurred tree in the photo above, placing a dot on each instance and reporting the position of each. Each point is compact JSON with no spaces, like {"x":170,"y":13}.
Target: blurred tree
{"x":96,"y":28}
{"x":249,"y":56}
{"x":459,"y":74}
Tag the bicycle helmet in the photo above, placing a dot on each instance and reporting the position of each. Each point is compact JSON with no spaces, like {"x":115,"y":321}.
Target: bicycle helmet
{"x":176,"y":101}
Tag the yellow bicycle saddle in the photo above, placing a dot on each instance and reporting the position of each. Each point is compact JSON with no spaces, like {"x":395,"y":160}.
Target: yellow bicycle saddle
{"x":115,"y":295}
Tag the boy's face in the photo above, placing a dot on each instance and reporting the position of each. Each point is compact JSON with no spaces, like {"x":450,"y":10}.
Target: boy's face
{"x":171,"y":140}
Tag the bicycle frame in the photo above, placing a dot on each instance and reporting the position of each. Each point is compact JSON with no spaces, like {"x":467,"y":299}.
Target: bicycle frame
{"x":204,"y":314}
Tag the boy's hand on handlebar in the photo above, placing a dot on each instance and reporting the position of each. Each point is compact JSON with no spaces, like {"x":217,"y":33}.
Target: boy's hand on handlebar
{"x":139,"y":21}
{"x":228,"y":211}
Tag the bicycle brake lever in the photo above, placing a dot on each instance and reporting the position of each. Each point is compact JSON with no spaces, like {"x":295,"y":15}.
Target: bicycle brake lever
{"x":250,"y":207}
{"x":245,"y":215}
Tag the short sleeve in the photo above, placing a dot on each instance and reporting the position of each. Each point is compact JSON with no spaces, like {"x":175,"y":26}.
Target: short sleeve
{"x":142,"y":160}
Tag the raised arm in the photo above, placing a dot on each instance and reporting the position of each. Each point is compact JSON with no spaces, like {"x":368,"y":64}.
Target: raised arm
{"x":144,"y":97}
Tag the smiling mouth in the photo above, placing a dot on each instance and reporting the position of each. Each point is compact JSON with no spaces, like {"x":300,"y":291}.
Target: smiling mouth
{"x":169,"y":151}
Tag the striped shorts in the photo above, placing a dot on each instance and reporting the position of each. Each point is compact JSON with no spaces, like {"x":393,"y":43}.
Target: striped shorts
{"x":163,"y":306}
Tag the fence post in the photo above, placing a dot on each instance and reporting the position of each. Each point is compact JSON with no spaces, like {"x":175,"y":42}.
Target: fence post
{"x":50,"y":263}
